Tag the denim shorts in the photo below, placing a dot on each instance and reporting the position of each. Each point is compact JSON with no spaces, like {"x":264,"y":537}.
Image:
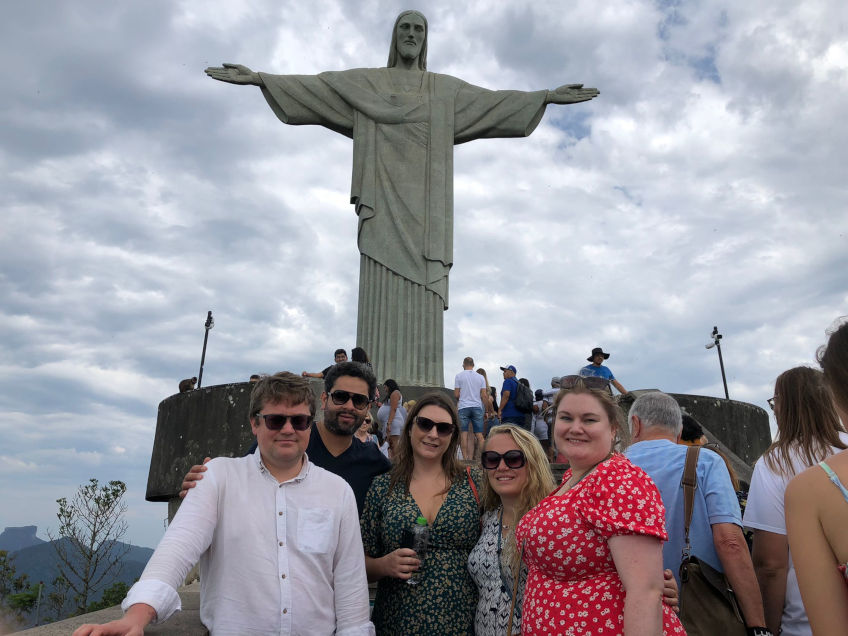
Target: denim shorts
{"x":471,"y":414}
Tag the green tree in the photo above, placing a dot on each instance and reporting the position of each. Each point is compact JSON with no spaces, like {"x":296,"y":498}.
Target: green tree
{"x":91,"y":525}
{"x":112,"y":595}
{"x":24,"y":602}
{"x":58,"y":597}
{"x":11,"y":585}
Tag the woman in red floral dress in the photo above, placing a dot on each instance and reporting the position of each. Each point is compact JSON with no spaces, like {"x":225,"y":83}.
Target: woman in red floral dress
{"x":594,"y":547}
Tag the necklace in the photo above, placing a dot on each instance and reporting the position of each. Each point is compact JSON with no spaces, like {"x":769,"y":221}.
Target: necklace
{"x":584,"y":474}
{"x":504,"y":571}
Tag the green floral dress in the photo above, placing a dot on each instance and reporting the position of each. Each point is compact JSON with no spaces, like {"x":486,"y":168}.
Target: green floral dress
{"x":444,"y":600}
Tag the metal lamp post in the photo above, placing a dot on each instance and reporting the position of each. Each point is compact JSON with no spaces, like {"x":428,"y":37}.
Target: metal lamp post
{"x":209,"y":324}
{"x":716,"y":336}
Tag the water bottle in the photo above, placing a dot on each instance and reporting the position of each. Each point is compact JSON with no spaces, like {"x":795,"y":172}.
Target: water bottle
{"x":418,"y":538}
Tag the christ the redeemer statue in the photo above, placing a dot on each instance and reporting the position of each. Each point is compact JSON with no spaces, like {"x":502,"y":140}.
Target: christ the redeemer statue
{"x":404,"y":122}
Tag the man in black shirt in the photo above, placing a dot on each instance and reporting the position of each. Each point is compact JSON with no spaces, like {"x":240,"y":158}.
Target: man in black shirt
{"x":340,"y":356}
{"x":349,"y":388}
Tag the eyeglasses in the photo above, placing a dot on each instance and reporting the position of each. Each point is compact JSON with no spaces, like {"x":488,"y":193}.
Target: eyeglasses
{"x":276,"y":422}
{"x":442,"y":428}
{"x":589,"y":381}
{"x":490,"y":460}
{"x":771,"y":403}
{"x":341,"y":397}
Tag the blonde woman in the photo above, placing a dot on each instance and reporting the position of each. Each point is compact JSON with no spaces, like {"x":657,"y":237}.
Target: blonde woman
{"x":518,"y":476}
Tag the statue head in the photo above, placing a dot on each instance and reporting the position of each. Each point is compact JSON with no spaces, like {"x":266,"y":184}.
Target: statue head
{"x":407,"y":22}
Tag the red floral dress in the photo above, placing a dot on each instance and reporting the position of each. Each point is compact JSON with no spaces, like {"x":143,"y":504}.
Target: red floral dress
{"x":572,"y":586}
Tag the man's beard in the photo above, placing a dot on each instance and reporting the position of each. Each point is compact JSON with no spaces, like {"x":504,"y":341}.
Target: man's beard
{"x":332,"y":424}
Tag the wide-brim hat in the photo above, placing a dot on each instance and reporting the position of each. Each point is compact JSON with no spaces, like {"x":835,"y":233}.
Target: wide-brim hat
{"x":595,"y":352}
{"x":510,"y":367}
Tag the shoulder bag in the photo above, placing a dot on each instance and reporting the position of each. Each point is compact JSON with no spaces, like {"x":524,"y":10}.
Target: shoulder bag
{"x":708,"y":605}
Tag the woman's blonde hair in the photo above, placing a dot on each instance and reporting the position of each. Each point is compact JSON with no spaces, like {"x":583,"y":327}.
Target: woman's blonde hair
{"x":540,"y":483}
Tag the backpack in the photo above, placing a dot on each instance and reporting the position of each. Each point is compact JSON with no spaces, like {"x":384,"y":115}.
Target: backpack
{"x":524,"y":398}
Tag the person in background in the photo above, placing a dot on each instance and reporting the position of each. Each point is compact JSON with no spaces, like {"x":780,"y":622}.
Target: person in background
{"x":589,"y":564}
{"x":489,"y":419}
{"x":808,"y":430}
{"x":715,"y":532}
{"x":597,"y":370}
{"x":357,"y":354}
{"x":363,"y":433}
{"x":692,"y":433}
{"x":340,"y":356}
{"x":817,"y":509}
{"x":470,"y":393}
{"x":539,"y":427}
{"x":426,"y":480}
{"x":509,"y":413}
{"x":392,"y":415}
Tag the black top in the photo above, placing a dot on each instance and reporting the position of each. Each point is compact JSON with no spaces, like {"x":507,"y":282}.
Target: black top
{"x":358,"y":465}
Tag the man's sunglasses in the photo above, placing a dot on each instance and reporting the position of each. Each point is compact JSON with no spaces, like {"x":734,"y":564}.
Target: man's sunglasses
{"x":590,"y":382}
{"x":341,"y":397}
{"x":277,"y":422}
{"x":490,"y":460}
{"x":443,"y":429}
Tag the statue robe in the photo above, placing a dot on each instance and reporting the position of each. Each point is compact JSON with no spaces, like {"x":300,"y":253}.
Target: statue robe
{"x":402,"y":188}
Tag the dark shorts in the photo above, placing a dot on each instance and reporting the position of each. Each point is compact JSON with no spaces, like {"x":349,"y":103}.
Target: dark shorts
{"x":471,"y":414}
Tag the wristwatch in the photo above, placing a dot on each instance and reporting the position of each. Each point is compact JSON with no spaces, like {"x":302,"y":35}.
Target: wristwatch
{"x":758,"y":631}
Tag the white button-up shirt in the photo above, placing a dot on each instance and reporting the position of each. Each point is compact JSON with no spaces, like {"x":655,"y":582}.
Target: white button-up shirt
{"x":275,"y":558}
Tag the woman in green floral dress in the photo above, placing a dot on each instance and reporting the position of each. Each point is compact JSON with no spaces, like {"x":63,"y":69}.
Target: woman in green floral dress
{"x":426,"y":480}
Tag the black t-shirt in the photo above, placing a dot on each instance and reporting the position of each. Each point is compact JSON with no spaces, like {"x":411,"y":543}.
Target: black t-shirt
{"x":358,"y":465}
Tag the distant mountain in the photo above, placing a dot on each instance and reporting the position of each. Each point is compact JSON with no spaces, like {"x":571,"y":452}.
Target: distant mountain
{"x":39,"y":562}
{"x":12,"y":539}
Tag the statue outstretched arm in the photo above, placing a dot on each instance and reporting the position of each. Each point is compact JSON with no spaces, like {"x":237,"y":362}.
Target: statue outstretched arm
{"x":234,"y":74}
{"x":571,"y":94}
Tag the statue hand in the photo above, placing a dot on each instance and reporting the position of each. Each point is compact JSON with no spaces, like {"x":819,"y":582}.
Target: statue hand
{"x":571,"y":94}
{"x":234,"y":74}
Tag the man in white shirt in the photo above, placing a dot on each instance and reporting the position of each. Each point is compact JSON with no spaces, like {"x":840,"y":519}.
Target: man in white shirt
{"x":470,"y":392}
{"x":277,"y":537}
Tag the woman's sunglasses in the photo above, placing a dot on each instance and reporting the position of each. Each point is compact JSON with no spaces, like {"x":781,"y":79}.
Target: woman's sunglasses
{"x":442,"y":428}
{"x":490,"y":460}
{"x":277,"y":422}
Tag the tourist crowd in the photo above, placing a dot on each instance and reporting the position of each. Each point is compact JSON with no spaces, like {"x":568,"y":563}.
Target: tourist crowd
{"x":642,"y":536}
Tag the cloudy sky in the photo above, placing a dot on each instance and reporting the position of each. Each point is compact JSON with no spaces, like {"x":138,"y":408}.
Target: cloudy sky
{"x":705,"y":186}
